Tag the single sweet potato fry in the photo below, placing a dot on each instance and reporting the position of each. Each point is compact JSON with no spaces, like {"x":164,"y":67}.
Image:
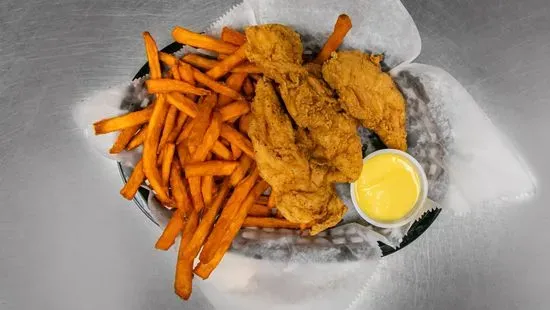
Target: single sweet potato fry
{"x":186,"y":131}
{"x":247,"y":67}
{"x":341,"y":28}
{"x":134,"y":182}
{"x":216,"y":86}
{"x":196,"y":192}
{"x":244,"y":123}
{"x":236,"y":151}
{"x":259,"y":210}
{"x":262,"y":200}
{"x":234,"y":109}
{"x":238,"y":174}
{"x":169,"y":124}
{"x":207,"y":188}
{"x":199,"y":61}
{"x":188,"y":37}
{"x":152,"y":56}
{"x":123,"y":121}
{"x":183,"y":104}
{"x":236,"y":138}
{"x":138,"y":139}
{"x":168,"y":59}
{"x":224,"y":66}
{"x":168,"y":156}
{"x":233,"y":36}
{"x":179,"y":190}
{"x":150,"y":149}
{"x":184,"y":275}
{"x":212,"y":167}
{"x":171,"y":85}
{"x":269,"y":222}
{"x":221,"y":151}
{"x":171,"y":231}
{"x":123,"y":139}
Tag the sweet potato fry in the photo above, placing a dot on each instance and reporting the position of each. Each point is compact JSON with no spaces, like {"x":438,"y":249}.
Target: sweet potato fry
{"x":160,"y":157}
{"x":248,"y":88}
{"x":236,"y":138}
{"x":199,"y":61}
{"x":183,"y":154}
{"x":170,"y":85}
{"x":247,"y":67}
{"x":180,"y":121}
{"x":207,"y":221}
{"x":224,"y":66}
{"x":123,"y":121}
{"x":210,"y":138}
{"x":269,"y":222}
{"x":244,"y":123}
{"x":231,"y":207}
{"x":196,"y":192}
{"x":186,"y":131}
{"x":234,"y":109}
{"x":201,"y":122}
{"x":171,"y":231}
{"x":169,"y":124}
{"x":123,"y":139}
{"x":207,"y":188}
{"x":262,"y":200}
{"x":138,"y":139}
{"x":179,"y":190}
{"x":271,"y":200}
{"x":232,"y":229}
{"x":341,"y":28}
{"x":215,"y":86}
{"x":186,"y":72}
{"x":188,"y":37}
{"x":183,"y":104}
{"x":232,"y":36}
{"x":237,"y":152}
{"x":184,"y":273}
{"x":168,"y":59}
{"x":150,"y":149}
{"x":221,"y":151}
{"x":259,"y":210}
{"x":152,"y":56}
{"x":235,"y":82}
{"x":134,"y":182}
{"x":238,"y":174}
{"x":168,"y":156}
{"x":175,"y":73}
{"x":212,"y":167}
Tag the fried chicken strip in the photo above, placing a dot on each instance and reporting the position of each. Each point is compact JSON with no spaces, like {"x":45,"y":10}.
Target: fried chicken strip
{"x":369,"y":95}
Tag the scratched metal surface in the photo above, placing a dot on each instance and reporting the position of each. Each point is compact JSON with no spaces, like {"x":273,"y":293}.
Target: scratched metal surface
{"x":67,"y":241}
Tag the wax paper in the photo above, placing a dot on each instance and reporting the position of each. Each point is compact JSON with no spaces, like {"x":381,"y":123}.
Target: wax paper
{"x":468,"y":162}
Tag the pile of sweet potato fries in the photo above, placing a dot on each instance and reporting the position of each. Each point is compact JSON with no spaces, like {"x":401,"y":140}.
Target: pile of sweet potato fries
{"x":197,"y":156}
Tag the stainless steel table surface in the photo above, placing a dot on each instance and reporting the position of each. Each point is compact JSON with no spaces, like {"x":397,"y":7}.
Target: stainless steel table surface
{"x":68,"y":241}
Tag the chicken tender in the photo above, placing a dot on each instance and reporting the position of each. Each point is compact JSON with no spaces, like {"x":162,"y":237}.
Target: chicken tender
{"x":302,"y":193}
{"x":369,"y":95}
{"x":277,"y":50}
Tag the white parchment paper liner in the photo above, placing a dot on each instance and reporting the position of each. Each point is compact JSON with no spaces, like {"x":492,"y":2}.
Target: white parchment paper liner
{"x":474,"y":164}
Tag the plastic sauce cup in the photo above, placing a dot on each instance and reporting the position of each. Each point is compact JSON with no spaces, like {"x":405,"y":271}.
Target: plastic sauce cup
{"x":420,"y":201}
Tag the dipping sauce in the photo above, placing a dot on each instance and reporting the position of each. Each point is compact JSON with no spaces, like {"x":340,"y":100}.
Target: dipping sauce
{"x":388,"y":187}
